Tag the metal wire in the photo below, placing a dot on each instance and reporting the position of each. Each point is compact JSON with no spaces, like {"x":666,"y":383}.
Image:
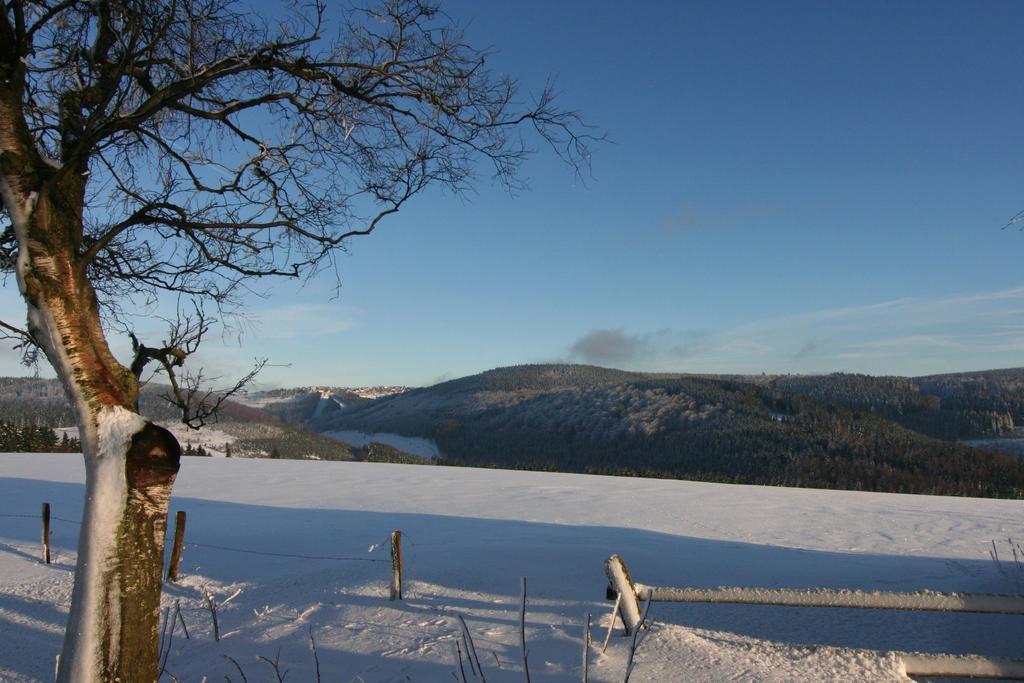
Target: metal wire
{"x":36,"y":516}
{"x":301,"y":557}
{"x":336,"y":558}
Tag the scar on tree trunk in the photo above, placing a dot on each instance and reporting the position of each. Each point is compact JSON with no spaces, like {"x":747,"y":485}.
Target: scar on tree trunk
{"x":153,"y":457}
{"x":152,"y":463}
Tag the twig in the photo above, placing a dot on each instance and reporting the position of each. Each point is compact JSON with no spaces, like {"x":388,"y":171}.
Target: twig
{"x":275,"y":664}
{"x":472,"y":666}
{"x":994,"y":554}
{"x":237,"y":666}
{"x":522,"y":635}
{"x":316,"y":658}
{"x":611,"y":623}
{"x":165,"y":649}
{"x":636,"y":633}
{"x":163,"y":634}
{"x":474,"y":661}
{"x":458,"y":656}
{"x":181,"y":618}
{"x":231,"y":597}
{"x":213,"y":614}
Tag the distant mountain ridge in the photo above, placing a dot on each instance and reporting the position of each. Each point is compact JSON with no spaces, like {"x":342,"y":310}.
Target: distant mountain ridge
{"x":952,"y":406}
{"x":311,"y":407}
{"x":834,"y":431}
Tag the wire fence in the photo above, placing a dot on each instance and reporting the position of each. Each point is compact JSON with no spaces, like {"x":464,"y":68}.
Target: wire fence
{"x":269,"y":554}
{"x":36,"y":516}
{"x":247,"y":551}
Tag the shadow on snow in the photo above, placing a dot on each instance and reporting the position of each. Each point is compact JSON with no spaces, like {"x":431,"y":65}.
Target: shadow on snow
{"x":473,"y":566}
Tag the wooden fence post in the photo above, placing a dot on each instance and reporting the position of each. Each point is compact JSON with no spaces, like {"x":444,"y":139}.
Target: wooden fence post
{"x":179,"y":541}
{"x":522,"y":634}
{"x":396,"y":565}
{"x":46,"y":533}
{"x":629,"y":606}
{"x":586,"y":651}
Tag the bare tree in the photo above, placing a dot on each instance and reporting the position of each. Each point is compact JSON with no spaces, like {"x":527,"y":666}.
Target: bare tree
{"x":188,"y":147}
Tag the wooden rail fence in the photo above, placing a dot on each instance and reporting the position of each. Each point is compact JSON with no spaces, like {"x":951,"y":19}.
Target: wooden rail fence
{"x":631,"y":594}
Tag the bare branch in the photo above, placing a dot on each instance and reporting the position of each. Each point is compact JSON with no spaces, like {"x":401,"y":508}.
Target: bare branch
{"x":24,"y":343}
{"x":201,"y":406}
{"x":159,"y":106}
{"x":188,"y":392}
{"x":209,"y":147}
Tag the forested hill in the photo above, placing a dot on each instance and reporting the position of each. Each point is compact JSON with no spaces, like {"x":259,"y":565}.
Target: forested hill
{"x":587,"y":419}
{"x":243,"y":431}
{"x":955,"y":406}
{"x":833,"y":431}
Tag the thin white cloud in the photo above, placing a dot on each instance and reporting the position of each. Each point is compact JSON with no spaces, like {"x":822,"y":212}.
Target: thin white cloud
{"x":998,"y":295}
{"x":302,"y":320}
{"x":848,"y":312}
{"x":914,"y":341}
{"x":910,"y":335}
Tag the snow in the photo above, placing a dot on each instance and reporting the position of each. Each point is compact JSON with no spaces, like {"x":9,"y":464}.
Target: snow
{"x":920,"y":600}
{"x":622,"y":584}
{"x":115,"y":428}
{"x":322,"y":405}
{"x":106,"y":493}
{"x":965,"y":666}
{"x":470,"y":535}
{"x":212,"y":440}
{"x":379,"y":391}
{"x":70,"y":432}
{"x":261,"y":399}
{"x":409,"y":444}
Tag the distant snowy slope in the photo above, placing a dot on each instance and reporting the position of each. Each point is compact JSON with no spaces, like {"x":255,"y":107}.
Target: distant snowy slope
{"x":471,"y":534}
{"x":407,"y":444}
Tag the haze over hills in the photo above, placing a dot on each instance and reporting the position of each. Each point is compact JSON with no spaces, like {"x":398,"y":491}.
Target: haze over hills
{"x":832,"y":431}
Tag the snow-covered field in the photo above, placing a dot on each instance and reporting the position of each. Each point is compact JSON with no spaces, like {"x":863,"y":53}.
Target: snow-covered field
{"x":471,"y":534}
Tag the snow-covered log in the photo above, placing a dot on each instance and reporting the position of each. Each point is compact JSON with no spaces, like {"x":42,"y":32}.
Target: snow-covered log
{"x":822,"y":597}
{"x":962,"y":666}
{"x":622,"y":583}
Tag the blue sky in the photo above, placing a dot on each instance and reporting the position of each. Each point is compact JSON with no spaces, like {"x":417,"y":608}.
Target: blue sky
{"x":789,"y":187}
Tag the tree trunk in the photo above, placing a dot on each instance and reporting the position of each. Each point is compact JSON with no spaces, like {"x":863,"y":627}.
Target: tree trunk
{"x":130,"y":464}
{"x":115,"y":607}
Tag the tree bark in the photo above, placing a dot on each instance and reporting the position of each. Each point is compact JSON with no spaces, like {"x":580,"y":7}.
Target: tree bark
{"x":130,"y":463}
{"x":115,"y":607}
